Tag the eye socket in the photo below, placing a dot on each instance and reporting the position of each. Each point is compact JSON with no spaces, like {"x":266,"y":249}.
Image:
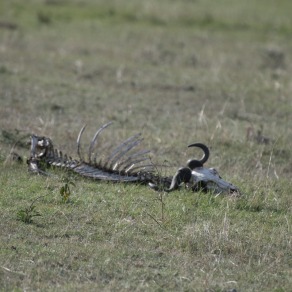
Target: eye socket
{"x":214,"y":171}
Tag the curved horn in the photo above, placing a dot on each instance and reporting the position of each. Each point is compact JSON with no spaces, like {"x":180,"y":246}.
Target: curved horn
{"x":192,"y":163}
{"x":183,"y":175}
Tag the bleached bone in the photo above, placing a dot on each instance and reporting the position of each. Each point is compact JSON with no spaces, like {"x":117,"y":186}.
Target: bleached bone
{"x":197,"y":177}
{"x":125,"y":164}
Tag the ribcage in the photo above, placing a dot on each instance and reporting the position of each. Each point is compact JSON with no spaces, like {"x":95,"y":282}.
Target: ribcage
{"x":126,"y":162}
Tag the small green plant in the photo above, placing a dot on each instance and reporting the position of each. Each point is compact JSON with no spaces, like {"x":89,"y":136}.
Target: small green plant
{"x":161,"y":192}
{"x":26,"y":215}
{"x":65,"y":190}
{"x":160,"y":221}
{"x":162,"y":205}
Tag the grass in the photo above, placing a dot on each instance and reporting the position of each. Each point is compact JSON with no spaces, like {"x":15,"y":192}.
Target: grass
{"x":179,"y":72}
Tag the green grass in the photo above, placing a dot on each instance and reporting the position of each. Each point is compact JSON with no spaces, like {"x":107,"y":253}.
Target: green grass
{"x":179,"y":72}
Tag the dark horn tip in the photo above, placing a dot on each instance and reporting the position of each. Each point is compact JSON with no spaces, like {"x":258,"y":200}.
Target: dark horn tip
{"x":200,"y":145}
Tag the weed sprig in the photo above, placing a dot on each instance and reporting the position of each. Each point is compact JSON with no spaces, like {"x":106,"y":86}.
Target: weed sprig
{"x":26,"y":215}
{"x":65,"y":190}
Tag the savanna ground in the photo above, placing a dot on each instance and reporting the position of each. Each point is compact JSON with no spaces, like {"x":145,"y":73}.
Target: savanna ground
{"x":179,"y":72}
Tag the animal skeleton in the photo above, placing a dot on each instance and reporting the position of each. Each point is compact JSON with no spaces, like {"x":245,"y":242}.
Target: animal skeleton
{"x":125,"y":164}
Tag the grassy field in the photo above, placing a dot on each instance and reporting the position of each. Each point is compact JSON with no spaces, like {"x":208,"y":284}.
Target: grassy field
{"x":179,"y":72}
